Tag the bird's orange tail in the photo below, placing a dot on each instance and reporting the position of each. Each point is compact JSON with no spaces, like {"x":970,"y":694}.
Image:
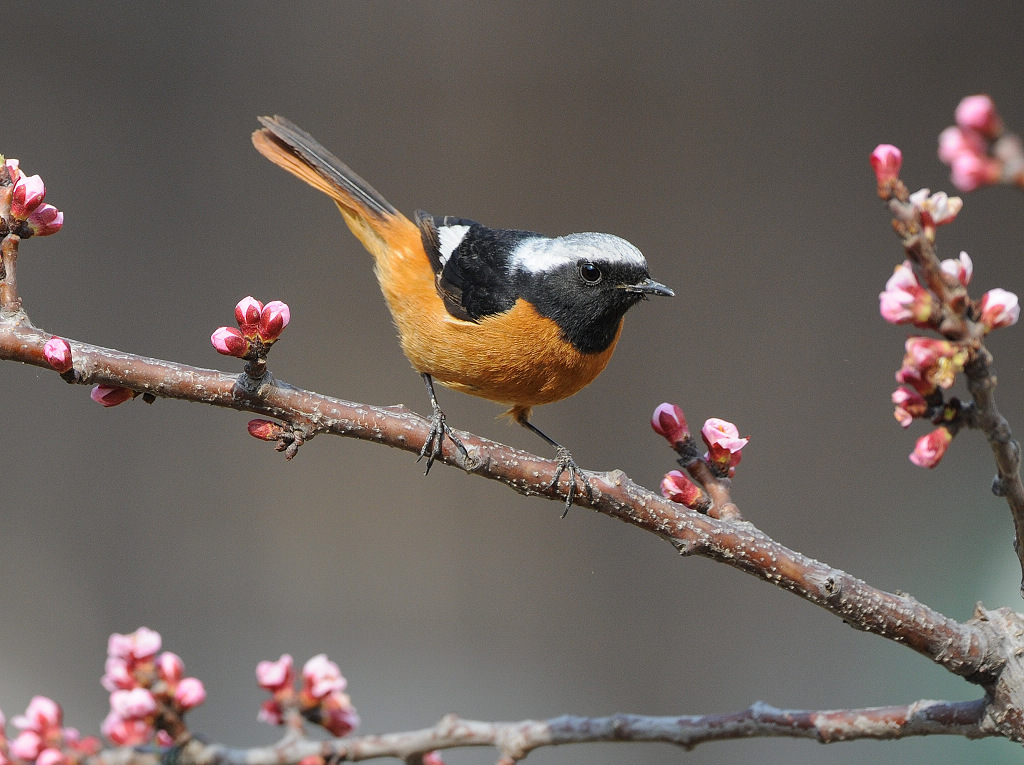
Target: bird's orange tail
{"x":374,"y":221}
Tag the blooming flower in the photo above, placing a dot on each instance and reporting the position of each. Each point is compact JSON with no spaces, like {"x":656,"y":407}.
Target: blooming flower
{"x":669,"y":422}
{"x":275,"y":675}
{"x":321,"y":676}
{"x":933,"y":361}
{"x":936,"y":209}
{"x":931,"y":448}
{"x":724,"y":443}
{"x":909,"y":404}
{"x":904,"y":300}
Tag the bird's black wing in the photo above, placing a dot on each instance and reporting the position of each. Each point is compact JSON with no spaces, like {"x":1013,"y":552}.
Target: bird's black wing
{"x":471,"y":264}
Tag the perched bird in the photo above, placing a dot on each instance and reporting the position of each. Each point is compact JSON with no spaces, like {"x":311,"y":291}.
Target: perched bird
{"x":512,"y":316}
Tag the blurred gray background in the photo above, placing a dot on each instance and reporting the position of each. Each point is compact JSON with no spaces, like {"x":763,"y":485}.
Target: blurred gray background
{"x":728,"y":141}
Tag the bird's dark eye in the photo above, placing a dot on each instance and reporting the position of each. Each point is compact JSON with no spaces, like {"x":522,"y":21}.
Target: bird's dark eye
{"x":590,"y":273}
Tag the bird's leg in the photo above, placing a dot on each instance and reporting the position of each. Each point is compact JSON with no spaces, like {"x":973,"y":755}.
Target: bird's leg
{"x":566,"y":464}
{"x":438,"y":430}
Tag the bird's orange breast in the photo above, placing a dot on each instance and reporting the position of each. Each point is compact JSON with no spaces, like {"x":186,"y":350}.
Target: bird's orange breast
{"x":518,"y":357}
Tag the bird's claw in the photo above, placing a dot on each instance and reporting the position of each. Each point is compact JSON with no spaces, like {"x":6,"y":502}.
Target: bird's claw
{"x":434,"y":445}
{"x":566,"y":464}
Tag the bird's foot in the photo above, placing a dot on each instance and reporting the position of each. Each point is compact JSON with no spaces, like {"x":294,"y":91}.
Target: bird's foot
{"x":434,"y":445}
{"x":566,"y":464}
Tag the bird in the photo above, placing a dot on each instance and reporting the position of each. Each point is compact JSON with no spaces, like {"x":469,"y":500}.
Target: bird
{"x":512,"y":316}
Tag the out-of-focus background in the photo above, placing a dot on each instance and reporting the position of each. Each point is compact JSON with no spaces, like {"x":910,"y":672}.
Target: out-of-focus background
{"x":728,"y":142}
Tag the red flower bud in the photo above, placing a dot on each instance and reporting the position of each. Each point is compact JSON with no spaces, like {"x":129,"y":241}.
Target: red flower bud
{"x":112,"y":395}
{"x":273,"y":319}
{"x":266,"y":430}
{"x":58,"y":354}
{"x":931,"y":448}
{"x":27,"y":196}
{"x":886,"y":160}
{"x":676,"y":487}
{"x":247,"y":314}
{"x":230,"y":342}
{"x":979,"y":113}
{"x":668,"y":421}
{"x":45,"y":220}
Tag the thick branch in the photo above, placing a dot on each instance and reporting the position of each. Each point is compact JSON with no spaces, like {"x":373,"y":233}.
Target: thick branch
{"x":514,"y":740}
{"x":967,"y":649}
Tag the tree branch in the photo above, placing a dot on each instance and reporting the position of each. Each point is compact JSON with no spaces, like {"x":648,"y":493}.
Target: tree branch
{"x":514,"y":740}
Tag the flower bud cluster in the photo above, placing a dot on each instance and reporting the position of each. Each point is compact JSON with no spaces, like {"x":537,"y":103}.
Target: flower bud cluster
{"x":321,"y":699}
{"x":968,"y":146}
{"x":930,"y":294}
{"x":43,"y":738}
{"x":724,"y":446}
{"x":259,"y":327}
{"x":148,"y":691}
{"x":22,"y":210}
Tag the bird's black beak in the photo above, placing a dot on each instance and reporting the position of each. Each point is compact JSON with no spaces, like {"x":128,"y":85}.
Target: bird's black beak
{"x":648,"y":287}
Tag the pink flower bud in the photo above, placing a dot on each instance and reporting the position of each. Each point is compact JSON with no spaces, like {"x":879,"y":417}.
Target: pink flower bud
{"x":27,"y":745}
{"x":273,"y":319}
{"x":322,"y":676}
{"x":668,"y":421}
{"x":905,"y":300}
{"x":45,"y":220}
{"x":999,"y":308}
{"x":930,"y":448}
{"x":937,"y":361}
{"x":274,"y":675}
{"x":27,"y":195}
{"x":960,"y":269}
{"x":979,"y":113}
{"x":116,"y":675}
{"x":189,"y":693}
{"x":936,"y":209}
{"x":265,"y":430}
{"x":51,"y":756}
{"x":170,"y":666}
{"x":678,"y":488}
{"x":111,"y":395}
{"x":230,"y":342}
{"x":247,"y":314}
{"x":909,"y":404}
{"x":970,"y":171}
{"x":58,"y":354}
{"x":12,"y":169}
{"x":433,"y":758}
{"x":338,"y":715}
{"x":886,"y":160}
{"x":271,"y":713}
{"x":136,"y":704}
{"x":164,"y":739}
{"x":141,"y":644}
{"x":124,"y":732}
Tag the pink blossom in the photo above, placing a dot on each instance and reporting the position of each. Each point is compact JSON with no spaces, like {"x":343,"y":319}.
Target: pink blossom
{"x":724,"y":444}
{"x":247,"y":314}
{"x":41,"y":716}
{"x":676,"y":487}
{"x":931,"y":448}
{"x":111,"y":395}
{"x":230,"y":342}
{"x":12,"y":169}
{"x":45,"y":220}
{"x":936,"y":209}
{"x":141,"y":644}
{"x":171,"y":667}
{"x":124,"y":732}
{"x":27,"y":745}
{"x":189,"y":693}
{"x":51,"y":756}
{"x":275,"y":675}
{"x":905,"y":300}
{"x":979,"y":113}
{"x":668,"y":421}
{"x":273,"y":319}
{"x":136,"y":704}
{"x":321,"y":676}
{"x":886,"y":161}
{"x":26,"y":196}
{"x":116,"y":674}
{"x":960,"y":269}
{"x":970,"y":171}
{"x":58,"y":354}
{"x":909,"y":404}
{"x":999,"y":308}
{"x":953,"y":142}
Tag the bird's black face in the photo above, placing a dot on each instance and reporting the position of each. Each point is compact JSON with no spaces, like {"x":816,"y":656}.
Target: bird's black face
{"x":588,"y":298}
